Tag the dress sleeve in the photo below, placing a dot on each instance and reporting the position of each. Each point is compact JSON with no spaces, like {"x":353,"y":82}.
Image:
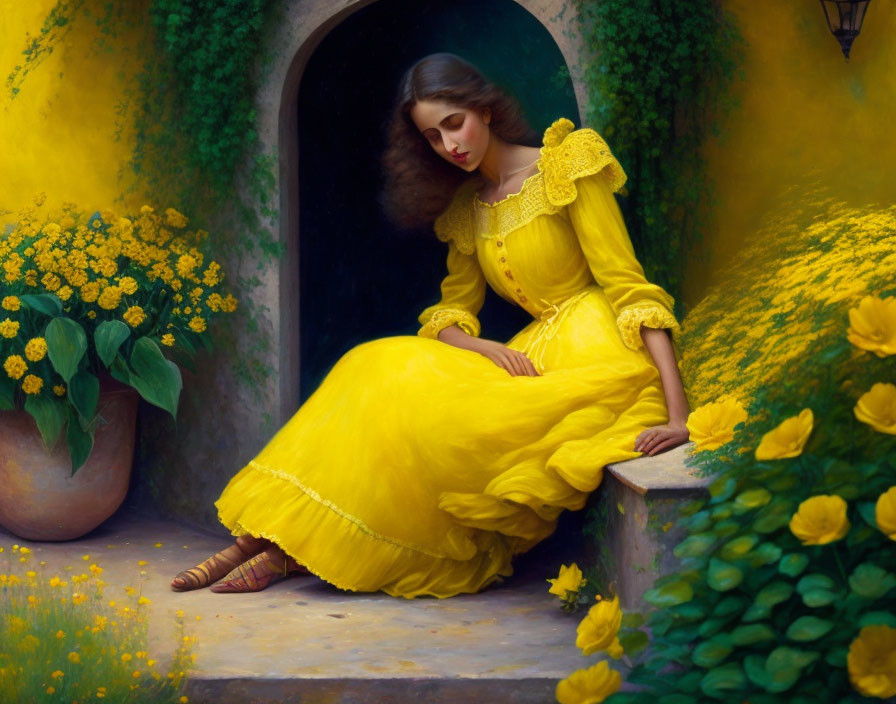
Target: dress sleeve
{"x":463,"y":293}
{"x":598,"y":223}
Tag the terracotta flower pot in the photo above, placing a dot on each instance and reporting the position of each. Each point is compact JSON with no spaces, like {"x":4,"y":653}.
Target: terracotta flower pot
{"x":39,"y":499}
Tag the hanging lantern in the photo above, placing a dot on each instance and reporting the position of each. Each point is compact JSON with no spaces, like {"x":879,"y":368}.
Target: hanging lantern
{"x":845,"y":20}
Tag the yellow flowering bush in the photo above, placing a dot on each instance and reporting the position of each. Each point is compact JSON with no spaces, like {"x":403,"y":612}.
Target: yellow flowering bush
{"x":90,"y":296}
{"x":785,"y":588}
{"x":567,"y":585}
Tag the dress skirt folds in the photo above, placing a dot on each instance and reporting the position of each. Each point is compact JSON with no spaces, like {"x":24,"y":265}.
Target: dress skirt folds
{"x":419,"y":468}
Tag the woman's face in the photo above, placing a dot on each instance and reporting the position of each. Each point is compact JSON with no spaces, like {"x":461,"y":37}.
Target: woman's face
{"x":458,"y":135}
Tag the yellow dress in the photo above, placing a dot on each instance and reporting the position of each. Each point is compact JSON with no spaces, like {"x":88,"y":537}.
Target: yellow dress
{"x":419,"y":468}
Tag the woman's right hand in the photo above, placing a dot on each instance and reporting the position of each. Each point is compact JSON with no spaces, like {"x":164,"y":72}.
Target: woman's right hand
{"x":515,"y":362}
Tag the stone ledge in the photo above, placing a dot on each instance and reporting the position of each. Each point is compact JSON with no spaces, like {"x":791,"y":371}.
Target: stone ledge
{"x":663,"y":472}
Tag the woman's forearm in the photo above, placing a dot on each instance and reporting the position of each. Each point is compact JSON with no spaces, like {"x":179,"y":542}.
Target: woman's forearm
{"x":453,"y":335}
{"x":658,"y":343}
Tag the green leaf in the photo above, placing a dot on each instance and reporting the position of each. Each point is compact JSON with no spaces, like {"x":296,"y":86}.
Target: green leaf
{"x":721,"y":489}
{"x":119,"y":370}
{"x":694,"y":545}
{"x":765,"y":554}
{"x":738,"y":547}
{"x":155,"y":378}
{"x":808,"y":628}
{"x":84,"y":392}
{"x":773,"y":516}
{"x":815,"y":581}
{"x":729,"y":606}
{"x":836,"y":657}
{"x":793,"y":564}
{"x":633,"y":642}
{"x":80,"y":441}
{"x":723,"y":576}
{"x":711,"y":652}
{"x":632,"y":619}
{"x":870,"y":581}
{"x":866,"y":511}
{"x":46,"y":303}
{"x":752,"y":498}
{"x":108,"y":337}
{"x":719,"y":682}
{"x":7,"y":393}
{"x":780,"y":671}
{"x":669,"y":594}
{"x":754,"y":633}
{"x":726,"y":528}
{"x":877,"y":618}
{"x":50,"y":417}
{"x":66,"y":345}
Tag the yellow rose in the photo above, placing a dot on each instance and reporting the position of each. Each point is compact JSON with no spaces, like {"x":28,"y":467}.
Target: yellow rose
{"x":11,"y":303}
{"x":570,"y":579}
{"x":872,"y":662}
{"x":32,"y":384}
{"x":128,"y":284}
{"x":788,"y":439}
{"x":168,"y":339}
{"x":36,"y":349}
{"x":885,"y":512}
{"x":820,"y":520}
{"x":877,"y":408}
{"x":197,"y":324}
{"x":134,"y":315}
{"x":15,"y":366}
{"x":599,"y":629}
{"x":9,"y":328}
{"x":872,"y":325}
{"x":589,"y":686}
{"x":712,"y":425}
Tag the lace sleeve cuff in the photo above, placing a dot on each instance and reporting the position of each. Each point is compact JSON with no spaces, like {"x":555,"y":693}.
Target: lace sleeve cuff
{"x":444,"y":317}
{"x":650,"y":315}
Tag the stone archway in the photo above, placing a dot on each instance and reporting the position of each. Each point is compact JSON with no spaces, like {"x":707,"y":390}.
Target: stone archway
{"x":308,"y":22}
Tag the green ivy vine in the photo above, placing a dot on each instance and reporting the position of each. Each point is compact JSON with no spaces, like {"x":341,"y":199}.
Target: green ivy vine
{"x":657,"y":73}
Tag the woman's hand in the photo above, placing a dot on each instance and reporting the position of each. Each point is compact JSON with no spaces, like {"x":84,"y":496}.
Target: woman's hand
{"x":661,"y":437}
{"x":514,"y":361}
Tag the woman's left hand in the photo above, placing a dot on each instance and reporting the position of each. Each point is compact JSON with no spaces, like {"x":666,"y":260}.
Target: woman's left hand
{"x":661,"y":437}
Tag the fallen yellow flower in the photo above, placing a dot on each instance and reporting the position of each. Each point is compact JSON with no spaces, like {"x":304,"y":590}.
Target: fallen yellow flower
{"x":820,"y":520}
{"x":788,"y":439}
{"x":569,"y":579}
{"x":589,"y":686}
{"x":599,"y":629}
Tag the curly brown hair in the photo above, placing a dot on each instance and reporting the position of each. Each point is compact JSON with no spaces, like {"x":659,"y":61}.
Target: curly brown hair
{"x":418,"y":184}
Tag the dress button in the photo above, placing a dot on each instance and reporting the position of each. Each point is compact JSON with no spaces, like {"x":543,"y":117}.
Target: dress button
{"x":502,"y":259}
{"x":509,"y":275}
{"x":523,"y":299}
{"x":518,"y":290}
{"x":499,"y":243}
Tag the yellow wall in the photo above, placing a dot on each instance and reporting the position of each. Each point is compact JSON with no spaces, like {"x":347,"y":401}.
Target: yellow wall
{"x":58,"y":133}
{"x":807,"y":117}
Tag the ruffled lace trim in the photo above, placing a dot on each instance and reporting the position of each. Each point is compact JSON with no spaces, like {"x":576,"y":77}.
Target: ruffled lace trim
{"x":442,"y":318}
{"x":632,"y":318}
{"x":567,"y":155}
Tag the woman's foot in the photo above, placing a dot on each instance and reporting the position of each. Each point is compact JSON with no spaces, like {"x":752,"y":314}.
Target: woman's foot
{"x":218,"y":565}
{"x":259,"y":572}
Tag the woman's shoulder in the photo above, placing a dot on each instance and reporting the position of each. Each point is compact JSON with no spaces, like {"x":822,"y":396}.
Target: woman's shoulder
{"x":456,"y":221}
{"x":569,"y":154}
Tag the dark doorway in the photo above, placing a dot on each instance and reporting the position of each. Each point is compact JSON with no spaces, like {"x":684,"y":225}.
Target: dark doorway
{"x":359,"y":278}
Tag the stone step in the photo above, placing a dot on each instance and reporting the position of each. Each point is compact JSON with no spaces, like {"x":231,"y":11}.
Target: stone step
{"x":302,"y":640}
{"x":637,"y":503}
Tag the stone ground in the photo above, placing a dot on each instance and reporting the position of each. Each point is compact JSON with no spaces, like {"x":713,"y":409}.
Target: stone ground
{"x":303,"y":640}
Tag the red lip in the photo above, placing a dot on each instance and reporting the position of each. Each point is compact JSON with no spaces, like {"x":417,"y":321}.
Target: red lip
{"x":459,"y":157}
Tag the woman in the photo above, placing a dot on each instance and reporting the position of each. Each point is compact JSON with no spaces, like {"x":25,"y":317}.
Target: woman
{"x":421,"y":465}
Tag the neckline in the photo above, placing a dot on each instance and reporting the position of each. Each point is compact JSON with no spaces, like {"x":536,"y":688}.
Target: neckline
{"x":509,"y":196}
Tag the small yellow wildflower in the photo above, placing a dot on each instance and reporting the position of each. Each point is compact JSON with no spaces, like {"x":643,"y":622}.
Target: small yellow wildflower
{"x":65,"y":292}
{"x":15,"y":366}
{"x":96,"y":570}
{"x":59,"y":389}
{"x":51,"y":689}
{"x":175,"y":219}
{"x":60,"y":634}
{"x":589,"y":686}
{"x":109,"y":298}
{"x":158,"y":545}
{"x":143,"y":600}
{"x":877,"y":408}
{"x":50,"y":281}
{"x":885,"y":513}
{"x":79,"y":598}
{"x":57,"y":674}
{"x":74,"y":657}
{"x":126,"y":657}
{"x":788,"y":439}
{"x":25,"y":551}
{"x":36,"y":349}
{"x":197,"y":324}
{"x":871,"y":662}
{"x":185,"y":265}
{"x":128,"y":284}
{"x":872,"y":325}
{"x":568,"y":580}
{"x":11,"y":303}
